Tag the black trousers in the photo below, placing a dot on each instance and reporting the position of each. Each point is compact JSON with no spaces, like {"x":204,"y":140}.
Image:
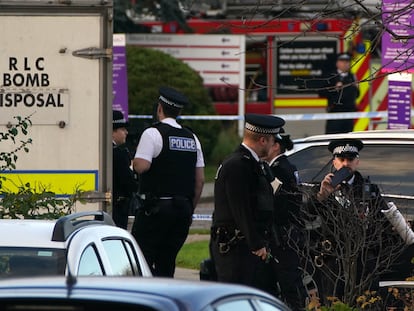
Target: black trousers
{"x":240,"y":266}
{"x":290,"y":277}
{"x":161,"y":234}
{"x":120,"y":213}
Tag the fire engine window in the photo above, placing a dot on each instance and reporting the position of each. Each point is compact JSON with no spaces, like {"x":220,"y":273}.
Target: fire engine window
{"x":256,"y":70}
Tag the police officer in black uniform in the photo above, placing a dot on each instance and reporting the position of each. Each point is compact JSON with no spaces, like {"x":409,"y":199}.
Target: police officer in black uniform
{"x":341,"y":90}
{"x":124,"y":182}
{"x":288,"y":224}
{"x":242,"y":229}
{"x":170,"y":161}
{"x":354,"y":203}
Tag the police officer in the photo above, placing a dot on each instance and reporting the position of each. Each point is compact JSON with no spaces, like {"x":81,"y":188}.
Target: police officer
{"x":348,"y":258}
{"x":287,"y":204}
{"x":341,"y":91}
{"x":170,"y":161}
{"x":242,"y":228}
{"x":124,"y":182}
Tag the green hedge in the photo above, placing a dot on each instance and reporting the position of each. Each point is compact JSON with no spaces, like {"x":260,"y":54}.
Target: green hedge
{"x":148,"y":70}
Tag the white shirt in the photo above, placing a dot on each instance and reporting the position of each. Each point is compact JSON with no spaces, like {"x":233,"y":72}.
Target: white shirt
{"x":150,"y":143}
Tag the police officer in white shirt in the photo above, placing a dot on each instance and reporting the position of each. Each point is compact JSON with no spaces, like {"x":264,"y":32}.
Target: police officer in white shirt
{"x":170,"y":162}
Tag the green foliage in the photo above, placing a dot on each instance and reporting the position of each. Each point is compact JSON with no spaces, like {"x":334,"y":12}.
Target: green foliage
{"x":210,"y":171}
{"x":32,"y":203}
{"x":149,"y":69}
{"x":28,"y":201}
{"x":8,"y":158}
{"x":227,"y":142}
{"x":339,"y":306}
{"x":369,"y":301}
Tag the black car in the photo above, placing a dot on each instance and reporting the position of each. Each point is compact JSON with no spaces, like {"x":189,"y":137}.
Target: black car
{"x":128,"y":293}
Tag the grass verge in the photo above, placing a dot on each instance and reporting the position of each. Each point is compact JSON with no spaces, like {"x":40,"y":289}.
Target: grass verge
{"x":192,"y":254}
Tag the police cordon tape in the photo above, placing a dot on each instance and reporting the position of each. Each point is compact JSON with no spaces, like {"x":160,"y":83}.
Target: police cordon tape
{"x":287,"y":117}
{"x":205,"y":217}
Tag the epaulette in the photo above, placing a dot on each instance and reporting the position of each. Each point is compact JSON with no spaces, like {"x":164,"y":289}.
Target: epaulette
{"x":246,"y":157}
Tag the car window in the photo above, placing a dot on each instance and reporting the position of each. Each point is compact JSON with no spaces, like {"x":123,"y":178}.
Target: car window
{"x":387,"y":166}
{"x":90,"y":264}
{"x":118,"y":257}
{"x":231,"y":305}
{"x":134,"y":258}
{"x":21,"y":261}
{"x":267,"y":306}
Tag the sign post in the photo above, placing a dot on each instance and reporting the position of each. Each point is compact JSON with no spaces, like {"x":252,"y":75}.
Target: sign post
{"x":219,"y":59}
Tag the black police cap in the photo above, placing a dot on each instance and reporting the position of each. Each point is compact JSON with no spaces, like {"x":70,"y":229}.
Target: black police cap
{"x":172,"y":97}
{"x":284,"y":139}
{"x":344,"y":56}
{"x":263,"y":124}
{"x":345,"y":147}
{"x":118,"y":120}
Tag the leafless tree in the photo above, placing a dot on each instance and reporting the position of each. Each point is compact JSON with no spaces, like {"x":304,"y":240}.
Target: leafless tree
{"x":348,"y":245}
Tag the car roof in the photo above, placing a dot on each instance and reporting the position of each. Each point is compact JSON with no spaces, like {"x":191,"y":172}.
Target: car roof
{"x":41,"y":233}
{"x":28,"y":233}
{"x":363,"y":135}
{"x":194,"y":295}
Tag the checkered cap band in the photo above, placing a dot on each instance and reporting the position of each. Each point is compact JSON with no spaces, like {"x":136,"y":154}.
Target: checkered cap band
{"x":347,"y":148}
{"x":119,"y":121}
{"x":171,"y":103}
{"x":261,"y":130}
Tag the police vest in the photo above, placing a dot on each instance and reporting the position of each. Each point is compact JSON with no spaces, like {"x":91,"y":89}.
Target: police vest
{"x":173,"y":171}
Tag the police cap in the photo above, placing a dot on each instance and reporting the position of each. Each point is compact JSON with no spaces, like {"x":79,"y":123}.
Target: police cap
{"x":263,"y":124}
{"x":172,"y":97}
{"x":345,"y":147}
{"x":118,"y":120}
{"x":284,"y":139}
{"x":344,"y":56}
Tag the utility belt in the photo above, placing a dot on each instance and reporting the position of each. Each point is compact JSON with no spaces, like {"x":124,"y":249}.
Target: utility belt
{"x":324,"y":250}
{"x":151,"y":202}
{"x":226,"y":237}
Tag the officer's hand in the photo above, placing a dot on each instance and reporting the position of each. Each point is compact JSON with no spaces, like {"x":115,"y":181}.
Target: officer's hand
{"x":326,"y":188}
{"x":262,"y":253}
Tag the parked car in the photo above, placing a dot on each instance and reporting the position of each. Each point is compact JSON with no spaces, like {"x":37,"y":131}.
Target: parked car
{"x":145,"y":294}
{"x":86,"y":243}
{"x":385,"y":158}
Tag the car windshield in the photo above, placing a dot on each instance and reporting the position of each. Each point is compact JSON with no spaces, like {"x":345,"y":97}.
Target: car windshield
{"x":18,"y":261}
{"x":388,"y":166}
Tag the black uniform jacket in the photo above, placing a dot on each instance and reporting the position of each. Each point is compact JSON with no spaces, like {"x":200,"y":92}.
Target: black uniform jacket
{"x":341,"y":99}
{"x":243,"y":198}
{"x":356,"y":207}
{"x":287,"y":199}
{"x":124,"y":182}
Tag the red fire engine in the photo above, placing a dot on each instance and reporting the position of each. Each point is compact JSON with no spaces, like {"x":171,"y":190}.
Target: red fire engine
{"x":283,"y":57}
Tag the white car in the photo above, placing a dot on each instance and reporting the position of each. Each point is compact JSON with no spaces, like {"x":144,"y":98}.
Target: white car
{"x":386,"y":159}
{"x":86,"y":243}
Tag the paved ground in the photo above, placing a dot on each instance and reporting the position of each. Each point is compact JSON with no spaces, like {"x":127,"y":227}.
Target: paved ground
{"x":189,"y":274}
